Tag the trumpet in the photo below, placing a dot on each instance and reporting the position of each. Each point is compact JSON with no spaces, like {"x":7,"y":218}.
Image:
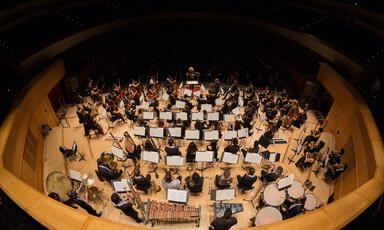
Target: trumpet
{"x":191,"y":183}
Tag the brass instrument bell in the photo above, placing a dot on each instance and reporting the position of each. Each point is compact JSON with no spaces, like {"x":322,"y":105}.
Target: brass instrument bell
{"x":167,"y":170}
{"x":107,"y":157}
{"x":88,"y":179}
{"x":191,"y":183}
{"x":93,"y":192}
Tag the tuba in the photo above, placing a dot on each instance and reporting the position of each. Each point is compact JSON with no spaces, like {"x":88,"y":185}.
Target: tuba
{"x":191,"y":183}
{"x":154,"y":187}
{"x":137,"y":166}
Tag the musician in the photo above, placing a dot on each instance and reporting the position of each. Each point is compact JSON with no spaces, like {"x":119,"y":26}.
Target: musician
{"x":191,"y":152}
{"x":171,"y":149}
{"x":197,"y":182}
{"x":107,"y":172}
{"x":130,"y":110}
{"x":181,"y":125}
{"x":233,"y":147}
{"x":248,"y":179}
{"x":254,"y":149}
{"x":272,"y":174}
{"x":169,"y":182}
{"x":335,"y":171}
{"x":172,"y":94}
{"x":116,"y":114}
{"x":141,"y":182}
{"x":187,"y":110}
{"x":89,"y":87}
{"x":133,"y":151}
{"x":125,"y":205}
{"x":233,"y":89}
{"x":291,"y":207}
{"x":335,"y":157}
{"x":80,"y":115}
{"x":81,"y":202}
{"x":85,"y":106}
{"x":309,"y":156}
{"x":200,"y":101}
{"x":95,"y":94}
{"x":224,"y":180}
{"x":225,"y":222}
{"x":315,"y":135}
{"x":213,"y":147}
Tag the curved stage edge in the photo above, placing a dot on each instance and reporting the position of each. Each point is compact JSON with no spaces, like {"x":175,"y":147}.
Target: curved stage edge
{"x":23,"y":183}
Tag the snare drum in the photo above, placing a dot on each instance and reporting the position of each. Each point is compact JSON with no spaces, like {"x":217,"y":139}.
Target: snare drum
{"x":296,"y":190}
{"x":268,"y":215}
{"x":273,"y":196}
{"x":59,"y":183}
{"x":311,"y":202}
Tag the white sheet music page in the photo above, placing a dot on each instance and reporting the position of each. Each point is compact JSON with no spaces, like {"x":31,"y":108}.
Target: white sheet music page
{"x":198,"y":116}
{"x":177,"y":195}
{"x":204,"y":156}
{"x":206,"y":107}
{"x":213,"y":116}
{"x":139,"y":130}
{"x":192,"y":134}
{"x":165,"y":97}
{"x":145,"y":105}
{"x":202,"y":88}
{"x":180,"y":104}
{"x":175,"y":132}
{"x":272,"y":157}
{"x":151,"y":156}
{"x":182,"y":115}
{"x":242,"y":133}
{"x":175,"y":160}
{"x":118,"y":152}
{"x":211,"y":135}
{"x":148,"y":115}
{"x":196,"y":93}
{"x":285,"y":182}
{"x":236,"y":111}
{"x":229,"y":118}
{"x":254,"y":158}
{"x":181,"y":85}
{"x":263,"y":117}
{"x":228,"y":135}
{"x":103,"y":113}
{"x":156,"y":132}
{"x":225,"y":194}
{"x":188,"y":92}
{"x":75,"y":175}
{"x":218,"y":101}
{"x":165,"y":115}
{"x":121,"y":105}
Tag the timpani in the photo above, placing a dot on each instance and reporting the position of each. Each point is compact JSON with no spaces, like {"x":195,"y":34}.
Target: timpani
{"x":296,"y":190}
{"x":311,"y":202}
{"x":273,"y":196}
{"x":267,"y":215}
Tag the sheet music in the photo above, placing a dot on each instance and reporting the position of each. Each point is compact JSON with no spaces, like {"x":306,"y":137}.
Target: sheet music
{"x":182,"y":115}
{"x":263,"y":117}
{"x":241,"y":102}
{"x":121,"y":105}
{"x":165,"y":115}
{"x":204,"y":156}
{"x":74,"y":146}
{"x":197,"y":93}
{"x":139,"y":131}
{"x":236,"y":111}
{"x":141,"y":98}
{"x":202,"y":88}
{"x":148,"y":115}
{"x":180,"y":196}
{"x":211,"y":135}
{"x":165,"y":97}
{"x":75,"y":175}
{"x":218,"y":101}
{"x":175,"y":132}
{"x":192,"y":134}
{"x":94,"y":105}
{"x":230,"y":158}
{"x":229,"y":118}
{"x":286,"y":181}
{"x":180,"y":104}
{"x":188,"y":92}
{"x":222,"y":91}
{"x":145,"y":105}
{"x":298,"y":150}
{"x":206,"y":107}
{"x":103,"y":113}
{"x":302,"y":139}
{"x":174,"y":160}
{"x":181,"y":85}
{"x":272,"y":157}
{"x":119,"y":185}
{"x":225,"y":194}
{"x":198,"y":116}
{"x":192,"y":83}
{"x":242,"y":133}
{"x":118,"y":152}
{"x":151,"y":156}
{"x":213,"y":116}
{"x":230,"y":134}
{"x":254,"y":158}
{"x":156,"y":132}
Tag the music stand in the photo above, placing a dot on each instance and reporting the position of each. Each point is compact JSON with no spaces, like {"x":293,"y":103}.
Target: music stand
{"x":252,"y":158}
{"x":103,"y":115}
{"x":193,"y":134}
{"x":223,"y":194}
{"x":178,"y":196}
{"x":75,"y":150}
{"x":139,"y":131}
{"x":230,"y":134}
{"x":156,"y":132}
{"x":229,"y":158}
{"x":302,"y":132}
{"x":211,"y":135}
{"x":175,"y":161}
{"x":206,"y":107}
{"x":204,"y":156}
{"x":295,"y":151}
{"x":262,"y":118}
{"x":319,"y":160}
{"x":152,"y":157}
{"x":197,"y":116}
{"x":213,"y":116}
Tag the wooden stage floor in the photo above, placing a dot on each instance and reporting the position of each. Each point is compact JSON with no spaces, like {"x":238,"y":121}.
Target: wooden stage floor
{"x":92,"y":148}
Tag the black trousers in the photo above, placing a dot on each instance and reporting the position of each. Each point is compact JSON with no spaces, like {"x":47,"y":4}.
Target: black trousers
{"x":85,"y":206}
{"x":129,"y":211}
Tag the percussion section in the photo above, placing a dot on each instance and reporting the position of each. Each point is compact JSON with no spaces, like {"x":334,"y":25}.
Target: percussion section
{"x":272,"y":195}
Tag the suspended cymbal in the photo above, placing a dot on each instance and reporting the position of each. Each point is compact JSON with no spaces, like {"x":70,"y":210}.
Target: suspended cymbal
{"x":88,"y":179}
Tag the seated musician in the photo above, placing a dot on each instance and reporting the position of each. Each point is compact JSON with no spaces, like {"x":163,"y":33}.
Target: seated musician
{"x":125,"y":204}
{"x":224,"y":180}
{"x":248,"y":179}
{"x":66,"y":152}
{"x":168,"y":182}
{"x":149,"y":147}
{"x":133,"y":151}
{"x":191,"y":152}
{"x":140,"y":120}
{"x":141,"y":182}
{"x":172,"y":94}
{"x":231,"y":89}
{"x":197,"y":182}
{"x":79,"y":113}
{"x":315,"y":135}
{"x":201,"y":100}
{"x":254,"y":149}
{"x":201,"y":125}
{"x":81,"y":202}
{"x":213,"y":147}
{"x":335,"y":157}
{"x":169,"y":109}
{"x":309,"y":156}
{"x":272,"y":174}
{"x":130,"y":111}
{"x":233,"y":147}
{"x":291,"y":208}
{"x":181,"y":125}
{"x":107,"y":172}
{"x":116,"y":114}
{"x":171,"y":149}
{"x":85,"y":106}
{"x":335,"y":171}
{"x":225,"y":222}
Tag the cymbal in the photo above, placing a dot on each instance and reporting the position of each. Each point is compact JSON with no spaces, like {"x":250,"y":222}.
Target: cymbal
{"x":88,"y":179}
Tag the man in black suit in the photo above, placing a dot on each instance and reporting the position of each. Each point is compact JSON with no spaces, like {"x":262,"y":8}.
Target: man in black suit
{"x":141,"y":182}
{"x":172,"y":150}
{"x":225,"y":222}
{"x":248,"y":179}
{"x":197,"y":182}
{"x":234,"y":147}
{"x":254,"y":149}
{"x":106,"y":172}
{"x":272,"y":174}
{"x":291,"y":208}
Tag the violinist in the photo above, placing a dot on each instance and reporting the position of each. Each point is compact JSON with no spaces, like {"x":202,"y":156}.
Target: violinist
{"x":201,"y":100}
{"x":130,"y":111}
{"x":172,"y":94}
{"x":335,"y":171}
{"x":213,"y":147}
{"x":96,"y":126}
{"x":95,"y":94}
{"x":335,"y":156}
{"x":233,"y":147}
{"x":254,"y":149}
{"x":181,"y":125}
{"x":79,"y":113}
{"x":314,"y":136}
{"x":85,"y":105}
{"x":214,"y":87}
{"x":89,"y":87}
{"x":233,"y":89}
{"x":119,"y":91}
{"x":116,"y":114}
{"x":133,"y":151}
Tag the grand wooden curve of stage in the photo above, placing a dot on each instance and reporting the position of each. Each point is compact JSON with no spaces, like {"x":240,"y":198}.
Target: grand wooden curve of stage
{"x":21,"y":162}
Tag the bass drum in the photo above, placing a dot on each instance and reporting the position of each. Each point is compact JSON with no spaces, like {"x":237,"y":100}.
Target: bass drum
{"x":59,"y":183}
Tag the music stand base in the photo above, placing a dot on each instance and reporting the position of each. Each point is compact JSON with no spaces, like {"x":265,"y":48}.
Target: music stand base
{"x":82,"y":157}
{"x":251,"y":201}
